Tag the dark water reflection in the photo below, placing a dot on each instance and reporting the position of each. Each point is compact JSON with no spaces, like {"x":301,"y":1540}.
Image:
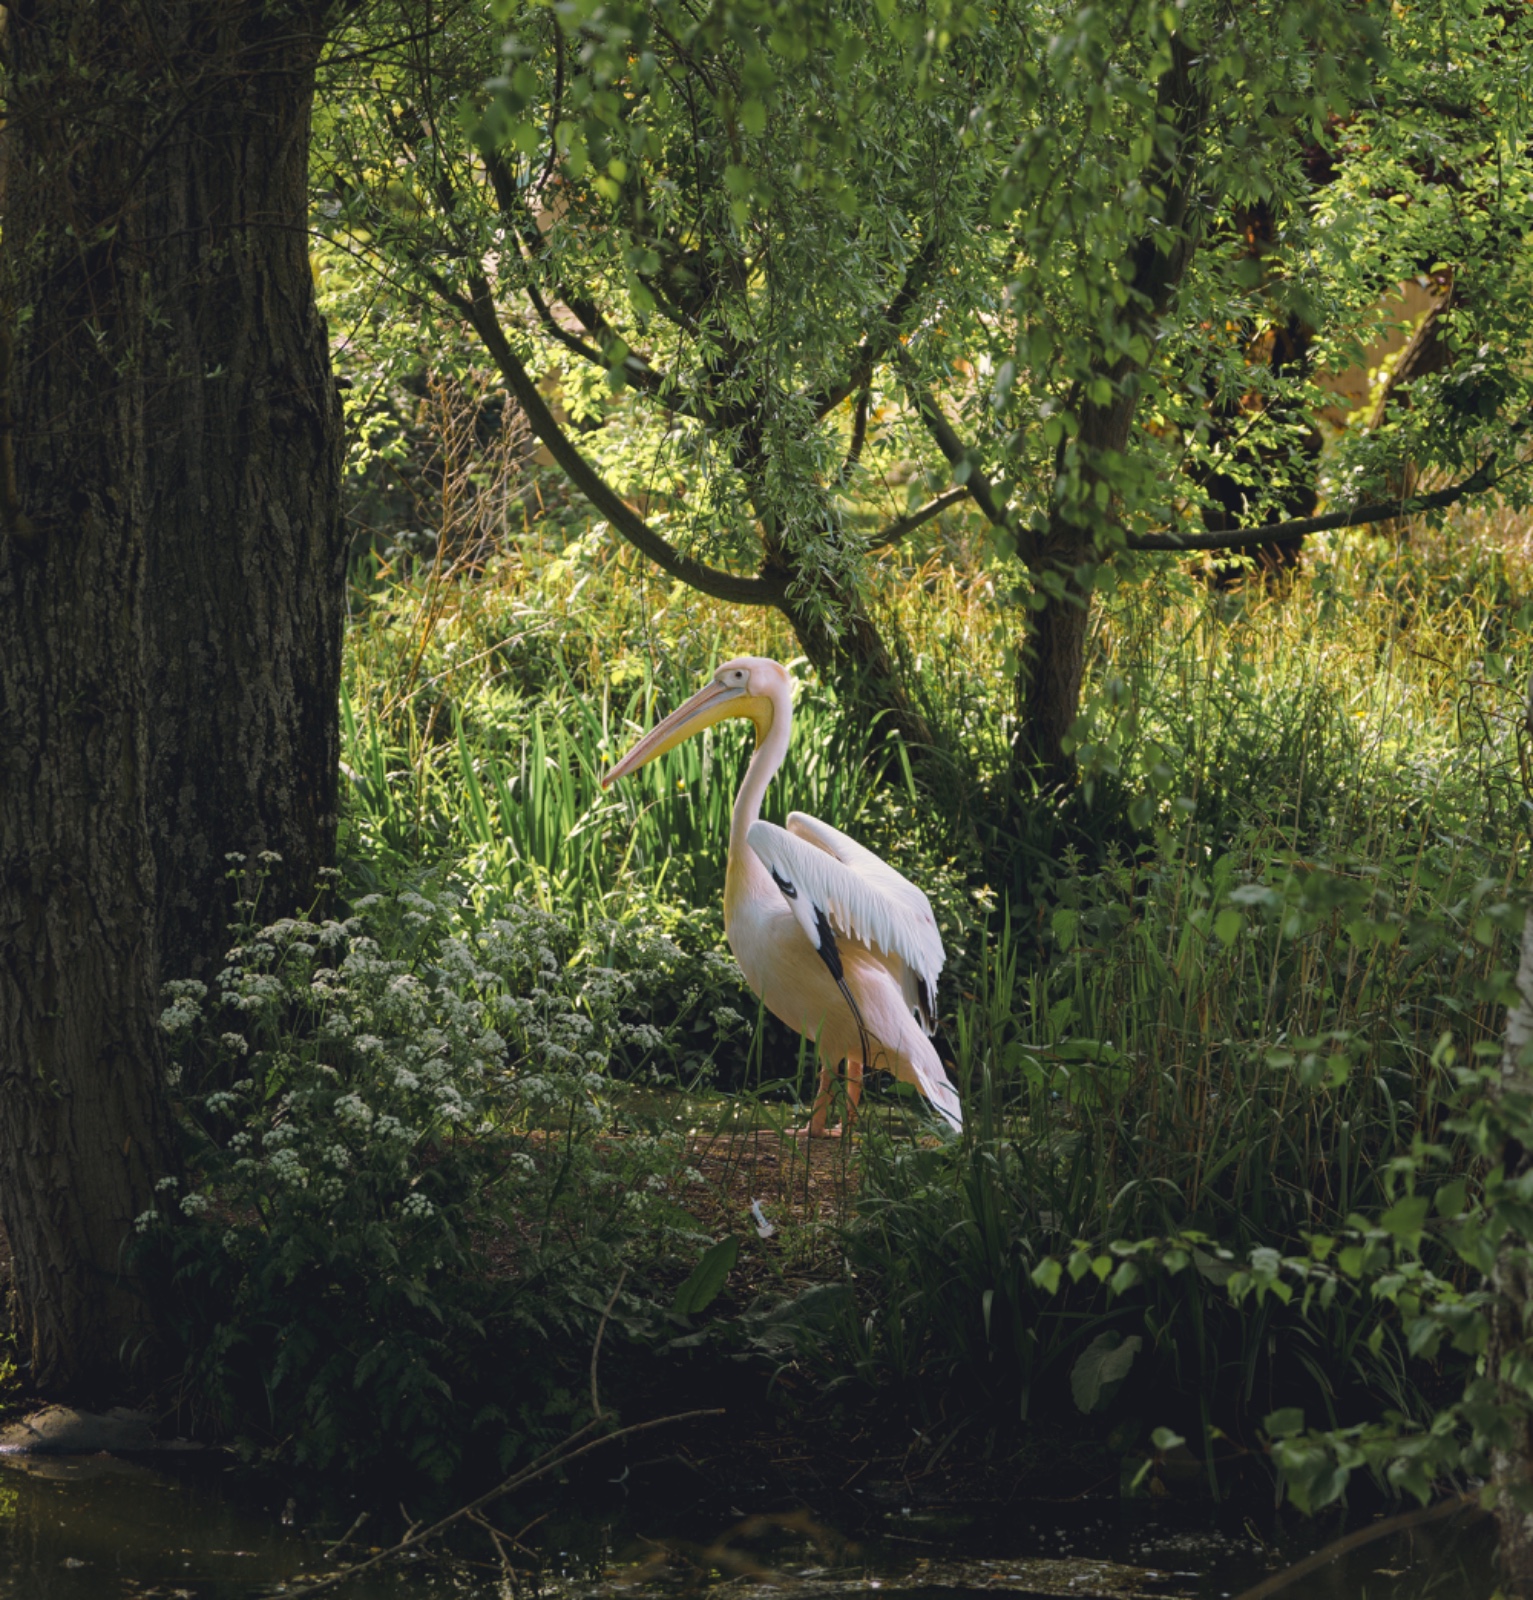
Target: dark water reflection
{"x":97,"y":1528}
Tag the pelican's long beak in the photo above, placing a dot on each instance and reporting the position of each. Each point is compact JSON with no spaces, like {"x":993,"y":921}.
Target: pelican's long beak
{"x":712,"y":703}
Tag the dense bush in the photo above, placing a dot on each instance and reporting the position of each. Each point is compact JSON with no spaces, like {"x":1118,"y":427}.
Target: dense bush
{"x":405,"y":1214}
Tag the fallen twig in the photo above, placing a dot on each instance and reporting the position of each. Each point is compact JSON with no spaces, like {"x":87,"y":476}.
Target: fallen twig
{"x":345,"y":1538}
{"x":1354,"y":1541}
{"x":561,"y":1455}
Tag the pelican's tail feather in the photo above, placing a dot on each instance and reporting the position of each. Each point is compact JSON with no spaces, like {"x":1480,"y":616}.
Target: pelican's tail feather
{"x":930,"y":1078}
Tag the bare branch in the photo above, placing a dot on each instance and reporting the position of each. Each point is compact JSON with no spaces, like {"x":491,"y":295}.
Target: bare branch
{"x":908,"y":524}
{"x":1455,"y":1503}
{"x":947,"y":441}
{"x":578,"y":1444}
{"x":762,"y":590}
{"x":1269,"y":533}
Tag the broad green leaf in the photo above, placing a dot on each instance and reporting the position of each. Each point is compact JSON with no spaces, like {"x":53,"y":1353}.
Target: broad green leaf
{"x":702,"y":1288}
{"x":1100,"y":1369}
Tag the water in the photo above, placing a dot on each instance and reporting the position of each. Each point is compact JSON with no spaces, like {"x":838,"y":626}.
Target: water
{"x":98,"y":1528}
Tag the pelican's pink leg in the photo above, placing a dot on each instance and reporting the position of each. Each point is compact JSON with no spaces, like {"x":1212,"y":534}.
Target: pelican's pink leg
{"x":821,"y":1108}
{"x":853,"y":1092}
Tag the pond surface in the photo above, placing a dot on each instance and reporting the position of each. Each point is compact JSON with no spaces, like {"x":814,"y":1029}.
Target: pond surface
{"x":96,"y":1528}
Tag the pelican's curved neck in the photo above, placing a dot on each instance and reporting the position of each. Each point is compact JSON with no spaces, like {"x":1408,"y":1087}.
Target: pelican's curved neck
{"x":771,"y":746}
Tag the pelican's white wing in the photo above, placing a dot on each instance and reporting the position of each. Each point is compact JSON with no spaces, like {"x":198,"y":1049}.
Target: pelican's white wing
{"x":859,"y":895}
{"x":916,"y":908}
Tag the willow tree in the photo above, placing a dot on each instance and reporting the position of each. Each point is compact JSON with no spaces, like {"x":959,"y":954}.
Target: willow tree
{"x":171,"y":570}
{"x":1139,"y":376}
{"x":1078,"y":265}
{"x":735,"y":224}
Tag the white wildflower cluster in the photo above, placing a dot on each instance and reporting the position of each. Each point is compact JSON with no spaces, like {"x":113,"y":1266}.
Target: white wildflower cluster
{"x":185,"y":1009}
{"x":338,"y":1059}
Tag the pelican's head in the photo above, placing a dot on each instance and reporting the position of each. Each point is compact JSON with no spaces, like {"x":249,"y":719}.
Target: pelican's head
{"x":748,"y":686}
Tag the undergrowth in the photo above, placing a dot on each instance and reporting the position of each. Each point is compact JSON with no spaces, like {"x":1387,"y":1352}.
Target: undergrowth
{"x":409,"y":1207}
{"x":1213,"y":995}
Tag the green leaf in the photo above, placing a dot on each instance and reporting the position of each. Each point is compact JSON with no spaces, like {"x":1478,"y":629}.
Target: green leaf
{"x":1285,"y":1424}
{"x":1450,"y":1199}
{"x":708,"y":1276}
{"x":1046,"y":1274}
{"x":1405,"y":1217}
{"x":1100,"y":1369}
{"x":1227,"y":926}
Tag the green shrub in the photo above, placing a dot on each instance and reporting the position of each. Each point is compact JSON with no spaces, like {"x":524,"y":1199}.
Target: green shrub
{"x":1209,"y":1055}
{"x":399,"y":1234}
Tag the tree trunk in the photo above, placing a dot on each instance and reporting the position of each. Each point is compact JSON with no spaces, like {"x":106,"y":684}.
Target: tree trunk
{"x":1053,"y":654}
{"x":1048,"y":690}
{"x":246,"y":572}
{"x":857,"y":661}
{"x":1051,"y":661}
{"x":170,"y":596}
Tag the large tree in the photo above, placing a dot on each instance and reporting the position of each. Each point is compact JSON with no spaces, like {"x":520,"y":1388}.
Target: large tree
{"x":171,"y":594}
{"x":1065,"y":257}
{"x":734,"y":224}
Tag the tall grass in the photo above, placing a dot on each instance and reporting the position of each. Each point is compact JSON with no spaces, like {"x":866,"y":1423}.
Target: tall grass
{"x":493,"y":753}
{"x":1217,"y":991}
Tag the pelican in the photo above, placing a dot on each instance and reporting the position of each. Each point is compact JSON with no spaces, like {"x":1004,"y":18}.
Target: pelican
{"x":832,"y":940}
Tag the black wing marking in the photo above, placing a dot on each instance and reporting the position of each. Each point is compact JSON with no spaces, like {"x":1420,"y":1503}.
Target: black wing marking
{"x":925,"y":1008}
{"x":926,"y":1004}
{"x":830,"y":954}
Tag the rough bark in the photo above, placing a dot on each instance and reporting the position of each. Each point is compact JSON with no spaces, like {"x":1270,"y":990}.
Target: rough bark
{"x":1053,"y":654}
{"x":169,"y":596}
{"x":246,"y":573}
{"x":856,"y":659}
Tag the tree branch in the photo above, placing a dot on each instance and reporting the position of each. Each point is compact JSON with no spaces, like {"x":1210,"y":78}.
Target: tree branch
{"x":1469,"y":1501}
{"x":578,"y":1444}
{"x":762,"y":590}
{"x":1269,"y":533}
{"x":951,"y":446}
{"x":874,"y":349}
{"x":977,"y":485}
{"x":908,"y":524}
{"x":859,"y":437}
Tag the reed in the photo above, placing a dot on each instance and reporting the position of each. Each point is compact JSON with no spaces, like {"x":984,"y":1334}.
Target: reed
{"x":1218,"y":990}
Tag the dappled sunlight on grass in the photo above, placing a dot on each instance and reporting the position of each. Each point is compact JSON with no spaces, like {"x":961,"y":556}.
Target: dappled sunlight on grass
{"x":1217,"y":989}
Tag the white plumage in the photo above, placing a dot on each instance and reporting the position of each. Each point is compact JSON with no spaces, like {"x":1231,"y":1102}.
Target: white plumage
{"x":862,"y":896}
{"x":835,"y":942}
